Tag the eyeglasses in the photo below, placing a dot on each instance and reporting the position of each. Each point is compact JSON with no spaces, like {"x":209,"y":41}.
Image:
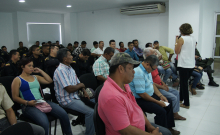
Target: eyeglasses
{"x":152,"y":67}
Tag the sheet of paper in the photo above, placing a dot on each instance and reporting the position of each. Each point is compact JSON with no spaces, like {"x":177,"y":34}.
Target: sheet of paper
{"x":40,"y":101}
{"x":165,"y":103}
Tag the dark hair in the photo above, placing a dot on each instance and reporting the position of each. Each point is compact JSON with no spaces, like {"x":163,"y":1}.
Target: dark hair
{"x":49,"y":42}
{"x":34,"y":47}
{"x":95,"y":43}
{"x":43,"y":43}
{"x":3,"y":47}
{"x":113,"y":69}
{"x":76,"y":42}
{"x":37,"y":41}
{"x":130,"y":43}
{"x":120,"y":43}
{"x":152,"y":60}
{"x":100,"y":42}
{"x":20,"y":42}
{"x":24,"y":61}
{"x":83,"y":42}
{"x":111,"y":41}
{"x":186,"y":29}
{"x":134,"y":40}
{"x":57,"y":41}
{"x":69,"y":44}
{"x":109,"y":50}
{"x":86,"y":52}
{"x":61,"y":54}
{"x":45,"y":46}
{"x":156,"y":42}
{"x":12,"y":52}
{"x":148,"y":44}
{"x":52,"y":47}
{"x":196,"y":42}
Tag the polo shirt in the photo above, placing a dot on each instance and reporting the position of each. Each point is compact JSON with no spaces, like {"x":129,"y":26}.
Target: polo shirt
{"x":156,"y":77}
{"x":138,"y":51}
{"x":78,"y":50}
{"x":163,"y":50}
{"x":118,"y":108}
{"x":93,"y":49}
{"x":101,"y":67}
{"x":99,"y":51}
{"x":142,"y":82}
{"x":65,"y":76}
{"x":132,"y":54}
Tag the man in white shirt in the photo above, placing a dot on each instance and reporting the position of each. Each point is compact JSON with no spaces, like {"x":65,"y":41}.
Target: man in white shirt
{"x":99,"y":51}
{"x":112,"y":45}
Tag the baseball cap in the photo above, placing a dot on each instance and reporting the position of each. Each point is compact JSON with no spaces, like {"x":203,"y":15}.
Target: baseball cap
{"x":121,"y":58}
{"x":155,"y":42}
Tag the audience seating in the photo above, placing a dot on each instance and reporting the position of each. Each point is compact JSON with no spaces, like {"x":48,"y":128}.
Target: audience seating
{"x":98,"y":123}
{"x":89,"y":80}
{"x":22,"y":128}
{"x":97,"y":91}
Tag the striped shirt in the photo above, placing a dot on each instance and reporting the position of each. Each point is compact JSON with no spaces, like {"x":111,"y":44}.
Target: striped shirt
{"x":142,"y":82}
{"x":65,"y":76}
{"x":101,"y":67}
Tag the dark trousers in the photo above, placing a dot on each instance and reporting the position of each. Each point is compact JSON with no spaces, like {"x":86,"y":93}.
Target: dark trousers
{"x":164,"y":115}
{"x":184,"y":77}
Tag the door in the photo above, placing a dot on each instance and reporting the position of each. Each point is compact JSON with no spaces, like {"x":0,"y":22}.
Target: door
{"x":216,"y":49}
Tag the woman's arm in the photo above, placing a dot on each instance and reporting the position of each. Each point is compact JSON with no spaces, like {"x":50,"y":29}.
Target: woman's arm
{"x":178,"y":45}
{"x":42,"y":80}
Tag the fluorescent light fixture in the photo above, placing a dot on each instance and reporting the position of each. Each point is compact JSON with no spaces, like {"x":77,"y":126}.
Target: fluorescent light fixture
{"x":22,"y":1}
{"x":69,"y":6}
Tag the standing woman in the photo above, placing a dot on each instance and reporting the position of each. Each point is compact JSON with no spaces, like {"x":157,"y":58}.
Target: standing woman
{"x":185,"y":49}
{"x":28,"y":86}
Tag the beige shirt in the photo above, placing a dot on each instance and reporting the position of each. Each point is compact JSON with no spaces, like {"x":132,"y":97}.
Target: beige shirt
{"x":5,"y":101}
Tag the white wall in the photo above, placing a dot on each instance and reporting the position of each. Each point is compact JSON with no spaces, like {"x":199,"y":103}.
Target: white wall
{"x":110,"y":24}
{"x":184,"y":11}
{"x":6,"y":30}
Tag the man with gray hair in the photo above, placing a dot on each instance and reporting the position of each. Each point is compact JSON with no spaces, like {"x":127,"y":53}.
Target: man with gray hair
{"x":148,"y":97}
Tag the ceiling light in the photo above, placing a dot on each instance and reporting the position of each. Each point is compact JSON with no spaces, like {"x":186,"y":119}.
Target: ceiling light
{"x":69,"y":6}
{"x":21,"y":0}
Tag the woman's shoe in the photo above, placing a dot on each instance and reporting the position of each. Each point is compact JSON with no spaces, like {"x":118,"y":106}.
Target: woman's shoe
{"x":192,"y":90}
{"x":182,"y":105}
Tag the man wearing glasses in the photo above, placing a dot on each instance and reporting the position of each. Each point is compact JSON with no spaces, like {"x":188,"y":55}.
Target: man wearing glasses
{"x":149,"y":97}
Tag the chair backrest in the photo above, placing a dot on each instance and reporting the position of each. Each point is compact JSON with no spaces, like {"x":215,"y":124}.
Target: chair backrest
{"x":97,"y":91}
{"x":88,"y":80}
{"x":22,"y":128}
{"x":99,"y":124}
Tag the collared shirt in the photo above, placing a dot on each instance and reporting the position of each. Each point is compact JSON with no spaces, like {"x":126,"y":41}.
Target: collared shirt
{"x":156,"y":77}
{"x":22,"y":50}
{"x":50,"y":65}
{"x":138,"y":51}
{"x":142,"y":82}
{"x":38,"y":62}
{"x":132,"y":54}
{"x":78,"y":50}
{"x":163,"y":50}
{"x":93,"y":49}
{"x":99,"y":51}
{"x":122,"y":50}
{"x":5,"y":101}
{"x":101,"y":67}
{"x":118,"y":108}
{"x":10,"y":69}
{"x":65,"y":76}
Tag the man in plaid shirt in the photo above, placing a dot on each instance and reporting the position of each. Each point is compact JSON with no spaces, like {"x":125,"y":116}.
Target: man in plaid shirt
{"x":101,"y":65}
{"x":79,"y":49}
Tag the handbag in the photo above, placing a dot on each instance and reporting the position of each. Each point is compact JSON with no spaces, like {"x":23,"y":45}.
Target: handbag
{"x":197,"y":69}
{"x":165,"y":65}
{"x":89,"y":91}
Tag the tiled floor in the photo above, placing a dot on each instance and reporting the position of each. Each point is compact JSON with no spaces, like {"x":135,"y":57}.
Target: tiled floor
{"x":202,"y":118}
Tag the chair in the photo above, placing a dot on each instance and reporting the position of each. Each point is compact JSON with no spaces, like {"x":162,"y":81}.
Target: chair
{"x":97,"y":91}
{"x":99,"y":124}
{"x":6,"y":81}
{"x":89,"y":80}
{"x":21,"y":128}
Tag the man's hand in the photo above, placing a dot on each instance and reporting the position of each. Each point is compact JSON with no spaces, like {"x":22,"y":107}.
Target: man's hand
{"x":156,"y":132}
{"x":150,"y":128}
{"x":163,"y":98}
{"x":165,"y":88}
{"x":161,"y":103}
{"x":86,"y":94}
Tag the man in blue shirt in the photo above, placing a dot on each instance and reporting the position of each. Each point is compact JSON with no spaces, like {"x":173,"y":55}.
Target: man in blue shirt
{"x":131,"y":52}
{"x":149,"y":97}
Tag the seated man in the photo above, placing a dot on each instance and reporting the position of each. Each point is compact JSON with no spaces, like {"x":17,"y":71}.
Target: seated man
{"x":66,"y":85}
{"x":136,"y":48}
{"x":75,"y":45}
{"x":112,"y":45}
{"x":70,"y":47}
{"x":7,"y":115}
{"x":99,"y":51}
{"x":79,"y":49}
{"x":95,"y":46}
{"x":22,"y":49}
{"x":36,"y":57}
{"x":122,"y":48}
{"x":11,"y":67}
{"x":81,"y":64}
{"x":163,"y":50}
{"x":117,"y":106}
{"x":45,"y":51}
{"x":149,"y":97}
{"x":2,"y":65}
{"x":206,"y":65}
{"x":5,"y":54}
{"x":131,"y":52}
{"x":59,"y":45}
{"x":101,"y":66}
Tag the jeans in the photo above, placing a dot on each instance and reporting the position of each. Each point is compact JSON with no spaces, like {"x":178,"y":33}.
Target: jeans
{"x":79,"y":106}
{"x":4,"y":123}
{"x":174,"y":73}
{"x":197,"y":76}
{"x":41,"y":119}
{"x":163,"y":130}
{"x":167,"y":73}
{"x":173,"y":95}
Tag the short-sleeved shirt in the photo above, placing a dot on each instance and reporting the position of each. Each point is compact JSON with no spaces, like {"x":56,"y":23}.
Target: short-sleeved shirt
{"x":163,"y":50}
{"x":93,"y":49}
{"x":156,"y":77}
{"x":142,"y":82}
{"x":65,"y":76}
{"x":132,"y":54}
{"x":10,"y":69}
{"x":99,"y":51}
{"x":78,"y":50}
{"x":101,"y":67}
{"x":118,"y":108}
{"x":5,"y":101}
{"x":138,"y":51}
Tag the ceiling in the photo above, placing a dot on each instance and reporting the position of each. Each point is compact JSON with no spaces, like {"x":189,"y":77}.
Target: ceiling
{"x":59,"y":6}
